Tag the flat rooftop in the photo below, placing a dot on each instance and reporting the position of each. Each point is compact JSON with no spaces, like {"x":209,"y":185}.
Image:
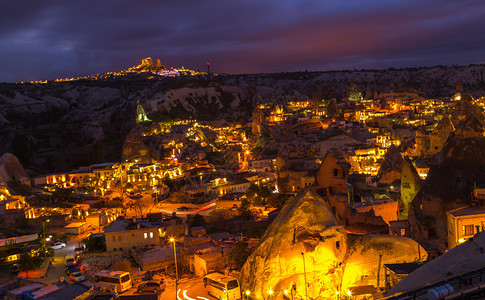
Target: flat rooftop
{"x":467,"y":211}
{"x":124,"y":225}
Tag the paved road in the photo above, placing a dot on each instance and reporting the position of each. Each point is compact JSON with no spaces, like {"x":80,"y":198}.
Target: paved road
{"x":56,"y":269}
{"x":192,"y":289}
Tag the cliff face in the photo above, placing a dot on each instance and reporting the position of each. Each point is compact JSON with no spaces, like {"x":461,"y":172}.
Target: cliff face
{"x":304,"y":231}
{"x":305,"y":239}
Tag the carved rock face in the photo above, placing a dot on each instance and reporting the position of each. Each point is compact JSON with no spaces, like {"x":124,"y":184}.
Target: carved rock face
{"x":306,"y":239}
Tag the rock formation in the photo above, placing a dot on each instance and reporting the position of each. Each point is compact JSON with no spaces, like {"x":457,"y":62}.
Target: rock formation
{"x":459,"y":166}
{"x":135,"y":149}
{"x":12,"y":170}
{"x":410,"y":186}
{"x":439,"y":135}
{"x":306,"y":239}
{"x":390,"y":170}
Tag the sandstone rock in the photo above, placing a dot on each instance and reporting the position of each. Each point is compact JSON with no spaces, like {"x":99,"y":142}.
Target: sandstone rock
{"x":459,"y":166}
{"x":135,"y":149}
{"x":390,"y":170}
{"x":12,"y":170}
{"x":410,"y":186}
{"x":306,"y":239}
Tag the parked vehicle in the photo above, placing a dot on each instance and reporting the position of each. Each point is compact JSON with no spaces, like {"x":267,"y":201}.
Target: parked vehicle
{"x":15,"y":269}
{"x":121,"y":280}
{"x":79,"y":250}
{"x":72,"y":258}
{"x":222,"y":287}
{"x":58,"y":245}
{"x":151,"y":286}
{"x":77,"y":276}
{"x":71,"y":269}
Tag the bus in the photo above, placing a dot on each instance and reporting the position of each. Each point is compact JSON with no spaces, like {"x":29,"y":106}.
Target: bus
{"x":106,"y":278}
{"x":222,"y":287}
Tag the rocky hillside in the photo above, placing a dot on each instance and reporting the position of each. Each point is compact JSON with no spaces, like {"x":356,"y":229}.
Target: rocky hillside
{"x":60,"y":125}
{"x":459,"y":167}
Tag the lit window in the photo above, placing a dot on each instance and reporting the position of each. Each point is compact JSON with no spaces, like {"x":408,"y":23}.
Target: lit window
{"x":151,"y":235}
{"x":145,"y":234}
{"x":468,"y":230}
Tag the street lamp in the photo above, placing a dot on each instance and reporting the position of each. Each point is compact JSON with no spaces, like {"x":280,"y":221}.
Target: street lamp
{"x":45,"y":239}
{"x":304,"y":274}
{"x":176,"y":269}
{"x":247,"y":294}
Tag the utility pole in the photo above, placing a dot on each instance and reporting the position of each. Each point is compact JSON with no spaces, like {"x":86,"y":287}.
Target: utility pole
{"x":304,"y":274}
{"x":176,"y":269}
{"x":379,"y":270}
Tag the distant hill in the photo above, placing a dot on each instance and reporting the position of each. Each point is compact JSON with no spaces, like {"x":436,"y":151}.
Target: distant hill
{"x":63,"y":121}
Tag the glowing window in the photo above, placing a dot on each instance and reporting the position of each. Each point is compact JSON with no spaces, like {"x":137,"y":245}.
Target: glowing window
{"x":145,"y":234}
{"x":468,"y":230}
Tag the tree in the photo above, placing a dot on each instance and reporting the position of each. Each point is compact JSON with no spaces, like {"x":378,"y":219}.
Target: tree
{"x":317,"y":98}
{"x":237,"y":256}
{"x":95,"y":243}
{"x":142,"y":206}
{"x":196,"y":220}
{"x":252,"y":191}
{"x":245,"y":209}
{"x":26,"y":263}
{"x":332,"y":109}
{"x":20,"y":188}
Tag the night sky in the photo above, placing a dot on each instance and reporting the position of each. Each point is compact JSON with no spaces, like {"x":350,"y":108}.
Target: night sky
{"x":57,"y":39}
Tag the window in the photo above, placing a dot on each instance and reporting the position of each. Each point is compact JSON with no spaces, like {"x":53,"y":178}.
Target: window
{"x":468,"y":230}
{"x":119,"y":238}
{"x":145,"y":235}
{"x":232,"y":284}
{"x":151,"y":235}
{"x":114,"y":238}
{"x":337,"y":245}
{"x":335,"y":172}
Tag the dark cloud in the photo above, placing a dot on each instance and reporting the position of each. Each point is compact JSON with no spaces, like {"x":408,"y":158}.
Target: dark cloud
{"x":52,"y":39}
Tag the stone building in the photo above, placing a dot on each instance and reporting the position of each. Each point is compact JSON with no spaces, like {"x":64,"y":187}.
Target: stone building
{"x":332,"y":175}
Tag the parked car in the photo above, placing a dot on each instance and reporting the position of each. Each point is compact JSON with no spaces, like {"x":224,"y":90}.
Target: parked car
{"x":151,"y":286}
{"x":76,"y":276}
{"x":15,"y":269}
{"x":58,"y":245}
{"x":79,"y":250}
{"x":71,"y":269}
